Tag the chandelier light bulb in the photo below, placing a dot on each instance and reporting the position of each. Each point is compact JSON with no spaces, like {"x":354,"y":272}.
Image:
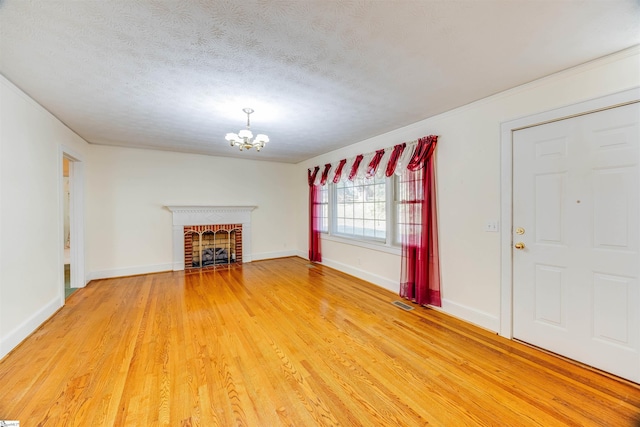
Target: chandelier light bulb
{"x":244,"y":138}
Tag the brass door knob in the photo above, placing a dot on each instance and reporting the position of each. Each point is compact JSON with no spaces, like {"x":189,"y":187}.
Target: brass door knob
{"x":519,"y":245}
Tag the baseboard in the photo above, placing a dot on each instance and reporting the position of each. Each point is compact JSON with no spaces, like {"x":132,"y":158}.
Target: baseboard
{"x":471,"y":315}
{"x":130,"y":271}
{"x":468,"y":314}
{"x":383,"y":282}
{"x":15,"y":337}
{"x":157,"y":268}
{"x":270,"y":255}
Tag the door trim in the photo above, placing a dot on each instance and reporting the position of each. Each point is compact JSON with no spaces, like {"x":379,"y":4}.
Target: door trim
{"x":507,"y":129}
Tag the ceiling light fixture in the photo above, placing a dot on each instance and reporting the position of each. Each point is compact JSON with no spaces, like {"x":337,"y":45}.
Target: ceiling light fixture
{"x":244,"y":138}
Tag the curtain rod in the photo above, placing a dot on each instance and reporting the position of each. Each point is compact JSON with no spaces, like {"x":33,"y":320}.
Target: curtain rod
{"x":371,"y":153}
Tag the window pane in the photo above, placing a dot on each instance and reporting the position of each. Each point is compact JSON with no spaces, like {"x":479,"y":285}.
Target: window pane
{"x":324,"y":195}
{"x":322,"y":208}
{"x":348,"y":210}
{"x":348,"y":226}
{"x":369,"y":226}
{"x":358,"y":210}
{"x":380,"y":191}
{"x":380,"y":211}
{"x":358,"y":226}
{"x":369,"y":210}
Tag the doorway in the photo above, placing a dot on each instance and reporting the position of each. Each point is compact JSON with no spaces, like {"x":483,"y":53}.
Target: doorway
{"x":66,"y":205}
{"x":571,"y":249}
{"x":72,"y":224}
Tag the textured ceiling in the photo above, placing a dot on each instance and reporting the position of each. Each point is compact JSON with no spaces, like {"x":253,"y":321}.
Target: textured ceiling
{"x":175,"y":75}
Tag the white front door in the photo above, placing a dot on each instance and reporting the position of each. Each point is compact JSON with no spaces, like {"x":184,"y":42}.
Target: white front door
{"x":576,"y":195}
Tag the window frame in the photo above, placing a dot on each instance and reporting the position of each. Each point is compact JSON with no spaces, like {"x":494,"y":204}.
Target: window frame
{"x":391,"y":242}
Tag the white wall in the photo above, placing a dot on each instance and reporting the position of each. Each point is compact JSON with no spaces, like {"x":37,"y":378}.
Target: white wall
{"x":128,"y":229}
{"x":468,"y":174}
{"x":31,"y":235}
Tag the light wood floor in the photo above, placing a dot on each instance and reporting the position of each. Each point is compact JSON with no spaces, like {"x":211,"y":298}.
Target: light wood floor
{"x":279,"y":343}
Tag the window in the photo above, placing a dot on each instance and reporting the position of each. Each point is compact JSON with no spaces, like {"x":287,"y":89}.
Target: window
{"x":365,"y":211}
{"x":323,"y":208}
{"x":360,"y":209}
{"x":408,"y":211}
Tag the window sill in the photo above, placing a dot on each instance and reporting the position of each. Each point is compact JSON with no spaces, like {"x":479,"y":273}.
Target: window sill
{"x":394,"y":250}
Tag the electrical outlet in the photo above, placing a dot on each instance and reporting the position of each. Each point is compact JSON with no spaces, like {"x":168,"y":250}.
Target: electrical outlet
{"x":492,"y":226}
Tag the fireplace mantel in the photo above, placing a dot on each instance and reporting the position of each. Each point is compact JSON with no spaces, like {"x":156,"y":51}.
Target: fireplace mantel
{"x":209,"y":215}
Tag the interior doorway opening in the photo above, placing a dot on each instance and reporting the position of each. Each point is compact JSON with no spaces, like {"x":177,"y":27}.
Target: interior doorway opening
{"x":66,"y":232}
{"x":71,"y":222}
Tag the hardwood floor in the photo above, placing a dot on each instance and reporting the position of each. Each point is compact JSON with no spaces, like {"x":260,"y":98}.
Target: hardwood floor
{"x":280,"y":343}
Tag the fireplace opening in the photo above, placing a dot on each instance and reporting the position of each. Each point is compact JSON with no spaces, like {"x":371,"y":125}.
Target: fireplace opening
{"x":210,"y":246}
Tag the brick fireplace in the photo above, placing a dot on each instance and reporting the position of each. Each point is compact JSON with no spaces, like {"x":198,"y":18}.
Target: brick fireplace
{"x":211,"y":246}
{"x":210,"y":236}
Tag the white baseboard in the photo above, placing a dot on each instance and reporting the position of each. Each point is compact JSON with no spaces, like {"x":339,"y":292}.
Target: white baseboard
{"x":130,"y":271}
{"x":22,"y":331}
{"x":157,"y":268}
{"x":383,"y":282}
{"x":471,"y":315}
{"x":270,"y":255}
{"x":463,"y":312}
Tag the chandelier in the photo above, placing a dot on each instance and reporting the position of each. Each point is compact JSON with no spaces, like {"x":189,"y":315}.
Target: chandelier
{"x":244,"y":138}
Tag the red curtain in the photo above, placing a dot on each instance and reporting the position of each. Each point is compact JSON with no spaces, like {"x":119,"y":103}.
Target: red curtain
{"x":338,"y":173}
{"x":325,"y":174}
{"x":420,"y":273}
{"x":354,"y":168}
{"x":374,"y":163}
{"x":314,"y":217}
{"x":393,"y":160}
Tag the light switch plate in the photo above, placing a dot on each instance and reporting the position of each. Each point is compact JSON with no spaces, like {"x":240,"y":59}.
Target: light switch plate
{"x":492,"y":226}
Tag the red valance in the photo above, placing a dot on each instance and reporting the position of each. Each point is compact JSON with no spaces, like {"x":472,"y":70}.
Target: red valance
{"x":374,"y":163}
{"x":387,"y":161}
{"x":338,"y":173}
{"x":354,"y":168}
{"x":395,"y":156}
{"x":325,"y":174}
{"x":311,"y":176}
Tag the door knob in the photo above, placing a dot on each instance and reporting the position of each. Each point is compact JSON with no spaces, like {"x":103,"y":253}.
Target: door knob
{"x":519,"y":245}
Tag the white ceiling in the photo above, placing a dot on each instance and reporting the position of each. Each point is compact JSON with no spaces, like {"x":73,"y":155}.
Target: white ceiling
{"x":320,"y":74}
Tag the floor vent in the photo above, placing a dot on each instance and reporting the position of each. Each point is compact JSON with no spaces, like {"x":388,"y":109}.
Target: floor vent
{"x":311,"y":266}
{"x":402,"y":305}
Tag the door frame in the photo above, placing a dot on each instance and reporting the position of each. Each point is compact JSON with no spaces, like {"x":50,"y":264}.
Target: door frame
{"x":507,"y":129}
{"x":76,"y":217}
